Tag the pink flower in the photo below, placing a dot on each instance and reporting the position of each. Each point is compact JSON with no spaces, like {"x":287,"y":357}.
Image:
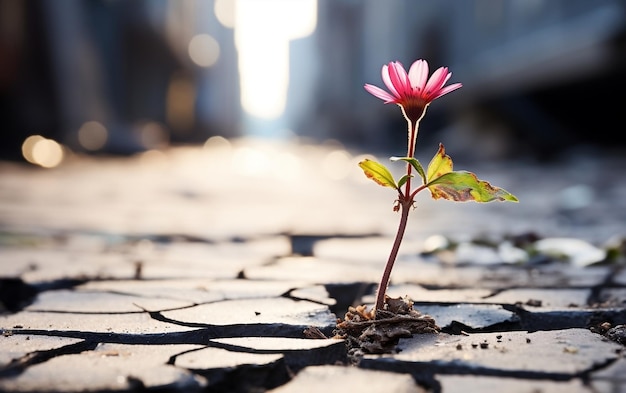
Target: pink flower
{"x":413,"y":91}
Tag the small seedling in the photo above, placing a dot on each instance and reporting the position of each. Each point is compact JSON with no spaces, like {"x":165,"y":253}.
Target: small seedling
{"x":412,"y":91}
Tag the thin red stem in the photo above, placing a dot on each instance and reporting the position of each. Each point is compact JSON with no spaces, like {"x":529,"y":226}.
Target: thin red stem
{"x":384,"y":281}
{"x":418,"y":189}
{"x":406,"y":203}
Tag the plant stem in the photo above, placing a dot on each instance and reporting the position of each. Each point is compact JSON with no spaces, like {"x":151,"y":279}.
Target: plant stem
{"x":384,"y":281}
{"x":406,"y":202}
{"x":412,"y":131}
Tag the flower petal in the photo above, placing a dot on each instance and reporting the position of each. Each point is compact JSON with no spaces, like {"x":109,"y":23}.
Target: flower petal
{"x":388,"y":82}
{"x":447,"y":90}
{"x":380,"y":93}
{"x":418,"y":74}
{"x":399,"y":78}
{"x":437,"y":80}
{"x":414,"y":90}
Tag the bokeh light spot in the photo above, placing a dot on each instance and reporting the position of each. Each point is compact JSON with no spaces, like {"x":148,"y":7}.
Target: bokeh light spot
{"x":42,"y":151}
{"x":92,"y":135}
{"x":204,"y":50}
{"x":217,"y":142}
{"x":28,"y":145}
{"x":225,"y":12}
{"x":153,"y":135}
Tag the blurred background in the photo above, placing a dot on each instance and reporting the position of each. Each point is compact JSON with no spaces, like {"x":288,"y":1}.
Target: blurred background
{"x":120,"y":77}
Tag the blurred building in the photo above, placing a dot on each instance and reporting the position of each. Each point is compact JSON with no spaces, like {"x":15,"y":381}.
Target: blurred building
{"x":119,"y":76}
{"x":537,"y":74}
{"x":116,"y":77}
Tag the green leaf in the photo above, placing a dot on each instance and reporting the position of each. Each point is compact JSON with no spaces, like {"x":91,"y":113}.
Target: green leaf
{"x":378,"y":172}
{"x":416,"y":164}
{"x":403,"y":180}
{"x":439,"y":165}
{"x":464,"y":186}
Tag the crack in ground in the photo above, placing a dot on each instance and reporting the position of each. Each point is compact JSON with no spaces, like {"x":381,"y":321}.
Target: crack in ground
{"x":199,"y":336}
{"x":424,"y":373}
{"x":609,"y":282}
{"x":345,"y":295}
{"x":18,"y":365}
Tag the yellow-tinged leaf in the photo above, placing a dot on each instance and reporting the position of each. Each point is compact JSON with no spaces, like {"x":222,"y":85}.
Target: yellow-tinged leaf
{"x":464,"y":186}
{"x":439,"y":165}
{"x":378,"y":172}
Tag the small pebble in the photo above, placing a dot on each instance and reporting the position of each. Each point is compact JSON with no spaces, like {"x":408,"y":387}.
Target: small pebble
{"x":534,"y":302}
{"x":570,"y":350}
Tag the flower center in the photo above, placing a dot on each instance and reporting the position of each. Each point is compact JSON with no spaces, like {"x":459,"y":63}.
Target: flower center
{"x":414,"y":108}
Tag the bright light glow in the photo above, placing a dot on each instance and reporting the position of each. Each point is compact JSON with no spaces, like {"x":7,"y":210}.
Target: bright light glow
{"x":92,"y":135}
{"x":42,"y":151}
{"x":262,"y":162}
{"x":225,"y":12}
{"x":251,"y":162}
{"x":263,"y":30}
{"x":434,"y":243}
{"x":337,"y":164}
{"x":287,"y":166}
{"x":28,"y":145}
{"x":204,"y":50}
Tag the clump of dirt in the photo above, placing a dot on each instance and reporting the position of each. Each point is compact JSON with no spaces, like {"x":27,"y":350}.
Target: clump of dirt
{"x":617,"y":334}
{"x":379,"y":331}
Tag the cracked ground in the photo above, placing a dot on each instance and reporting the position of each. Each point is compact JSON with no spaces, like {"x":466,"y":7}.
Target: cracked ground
{"x":188,"y":272}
